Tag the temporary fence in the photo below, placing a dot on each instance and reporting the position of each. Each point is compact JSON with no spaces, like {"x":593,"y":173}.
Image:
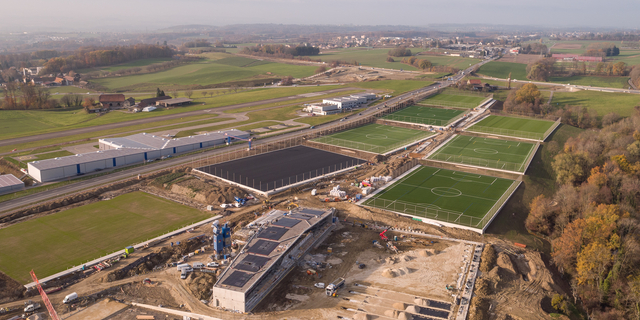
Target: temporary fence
{"x":495,"y":164}
{"x":370,"y":147}
{"x":429,"y":212}
{"x":507,"y":132}
{"x":422,"y":120}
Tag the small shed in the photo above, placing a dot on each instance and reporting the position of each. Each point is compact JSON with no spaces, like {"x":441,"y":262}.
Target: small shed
{"x":9,"y":183}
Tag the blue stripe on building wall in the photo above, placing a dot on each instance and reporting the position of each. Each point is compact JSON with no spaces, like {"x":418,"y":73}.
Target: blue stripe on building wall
{"x":174,"y":149}
{"x":145,"y":156}
{"x":114,"y":162}
{"x":78,"y":168}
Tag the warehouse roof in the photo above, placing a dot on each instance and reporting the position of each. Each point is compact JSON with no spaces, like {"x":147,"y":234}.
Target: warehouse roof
{"x":267,"y":246}
{"x":7,"y":180}
{"x":81,"y":158}
{"x":175,"y":101}
{"x":153,"y":142}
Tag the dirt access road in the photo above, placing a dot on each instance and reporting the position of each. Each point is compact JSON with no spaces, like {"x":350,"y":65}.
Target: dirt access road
{"x":66,"y":133}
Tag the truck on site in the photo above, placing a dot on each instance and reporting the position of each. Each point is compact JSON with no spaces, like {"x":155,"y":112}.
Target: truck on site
{"x":32,"y":307}
{"x":183,"y":266}
{"x":70,"y":297}
{"x":333,"y":287}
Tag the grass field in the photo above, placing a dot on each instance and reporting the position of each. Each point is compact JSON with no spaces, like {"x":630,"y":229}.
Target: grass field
{"x":514,"y":127}
{"x":445,"y":195}
{"x":71,"y":237}
{"x":456,"y":62}
{"x":602,"y":102}
{"x":501,"y":70}
{"x":375,"y":138}
{"x":206,"y":72}
{"x":486,"y":152}
{"x":366,"y":57}
{"x":425,"y":115}
{"x":393,"y":86}
{"x":594,"y":81}
{"x":453,"y":100}
{"x":127,"y":65}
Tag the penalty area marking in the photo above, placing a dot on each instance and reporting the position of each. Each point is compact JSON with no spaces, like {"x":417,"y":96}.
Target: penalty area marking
{"x":376,"y":136}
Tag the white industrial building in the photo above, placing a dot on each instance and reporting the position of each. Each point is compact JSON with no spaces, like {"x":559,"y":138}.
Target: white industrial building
{"x":117,"y":152}
{"x":9,"y":183}
{"x":275,"y":243}
{"x":337,"y":105}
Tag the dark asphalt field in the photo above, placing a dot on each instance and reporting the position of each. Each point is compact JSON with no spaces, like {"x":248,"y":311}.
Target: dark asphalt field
{"x":280,"y":168}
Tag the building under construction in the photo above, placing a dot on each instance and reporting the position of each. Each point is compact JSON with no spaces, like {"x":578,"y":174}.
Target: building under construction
{"x":275,"y":243}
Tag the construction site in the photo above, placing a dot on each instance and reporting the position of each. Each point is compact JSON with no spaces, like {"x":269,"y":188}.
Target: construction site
{"x":283,"y":230}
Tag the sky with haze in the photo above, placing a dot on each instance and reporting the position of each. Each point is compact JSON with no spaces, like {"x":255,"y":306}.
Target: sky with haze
{"x":141,"y":15}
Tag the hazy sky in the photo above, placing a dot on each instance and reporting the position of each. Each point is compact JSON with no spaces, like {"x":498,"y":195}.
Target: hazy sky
{"x":133,"y":15}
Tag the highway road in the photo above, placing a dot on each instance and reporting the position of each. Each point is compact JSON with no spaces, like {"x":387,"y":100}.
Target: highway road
{"x":71,"y":132}
{"x":40,"y":197}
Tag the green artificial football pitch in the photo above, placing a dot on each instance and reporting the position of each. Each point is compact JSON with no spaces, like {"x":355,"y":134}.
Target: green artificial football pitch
{"x":445,"y":195}
{"x":425,"y":115}
{"x":452,"y":100}
{"x":486,"y":152}
{"x":513,"y":127}
{"x":374,"y":138}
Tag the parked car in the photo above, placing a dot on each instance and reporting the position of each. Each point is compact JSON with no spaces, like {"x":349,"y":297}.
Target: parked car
{"x":213,"y":265}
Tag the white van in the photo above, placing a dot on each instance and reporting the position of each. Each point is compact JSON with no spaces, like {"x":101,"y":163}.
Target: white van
{"x":183,"y":266}
{"x":198,"y":265}
{"x":70,"y":297}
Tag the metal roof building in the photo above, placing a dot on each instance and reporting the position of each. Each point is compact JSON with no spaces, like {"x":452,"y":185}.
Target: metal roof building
{"x":117,"y":152}
{"x":9,"y":183}
{"x":274,"y":248}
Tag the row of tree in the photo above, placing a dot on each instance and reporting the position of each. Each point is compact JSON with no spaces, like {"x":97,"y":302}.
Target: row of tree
{"x":544,"y":69}
{"x":399,"y":52}
{"x":607,"y":50}
{"x":91,"y":57}
{"x":423,"y":64}
{"x":534,"y":48}
{"x":593,"y":219}
{"x":20,"y":96}
{"x":281,"y":51}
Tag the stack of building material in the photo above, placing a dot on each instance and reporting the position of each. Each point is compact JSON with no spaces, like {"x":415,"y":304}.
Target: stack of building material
{"x":336,"y":192}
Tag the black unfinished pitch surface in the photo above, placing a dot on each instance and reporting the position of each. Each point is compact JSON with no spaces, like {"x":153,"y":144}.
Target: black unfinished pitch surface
{"x":280,"y":168}
{"x":238,"y":279}
{"x":263,"y":247}
{"x":252,"y":263}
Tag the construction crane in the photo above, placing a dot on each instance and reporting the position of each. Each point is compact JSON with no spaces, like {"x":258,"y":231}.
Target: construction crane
{"x":45,"y":299}
{"x":230,"y":136}
{"x":383,"y":236}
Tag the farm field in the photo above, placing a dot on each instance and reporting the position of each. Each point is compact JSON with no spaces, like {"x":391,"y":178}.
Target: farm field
{"x":594,"y":81}
{"x":444,"y":195}
{"x":514,"y":127}
{"x":501,"y":70}
{"x":486,"y":152}
{"x":74,"y":236}
{"x":425,"y":115}
{"x":204,"y":73}
{"x":393,"y":86}
{"x":453,"y":100}
{"x":366,"y":57}
{"x":127,"y":65}
{"x":602,"y":102}
{"x":456,"y":62}
{"x":375,"y":138}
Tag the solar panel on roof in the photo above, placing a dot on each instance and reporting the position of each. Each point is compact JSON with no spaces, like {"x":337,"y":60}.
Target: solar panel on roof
{"x":272,"y":233}
{"x":237,"y":279}
{"x":252,"y":263}
{"x":286,"y":222}
{"x":301,"y":216}
{"x":263,"y":247}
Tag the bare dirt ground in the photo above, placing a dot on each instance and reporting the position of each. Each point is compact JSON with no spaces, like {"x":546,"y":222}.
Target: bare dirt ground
{"x":361,"y":74}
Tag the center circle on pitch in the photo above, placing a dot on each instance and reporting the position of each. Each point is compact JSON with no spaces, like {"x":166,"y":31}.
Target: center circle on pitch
{"x":485,"y":151}
{"x":446,"y":192}
{"x":376,"y":136}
